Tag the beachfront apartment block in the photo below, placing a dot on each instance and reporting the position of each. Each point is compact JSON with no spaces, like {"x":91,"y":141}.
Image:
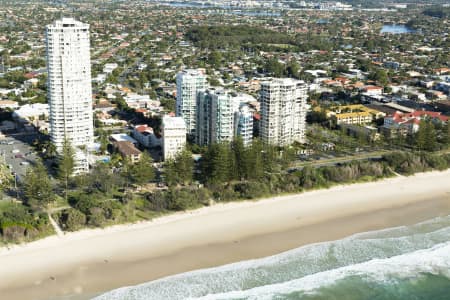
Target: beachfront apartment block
{"x":69,"y":85}
{"x":214,"y":117}
{"x":189,"y":83}
{"x":173,"y":135}
{"x":283,"y":111}
{"x":243,"y":119}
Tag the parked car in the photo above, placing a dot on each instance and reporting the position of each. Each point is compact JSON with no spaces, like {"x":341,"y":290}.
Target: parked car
{"x":18,"y":156}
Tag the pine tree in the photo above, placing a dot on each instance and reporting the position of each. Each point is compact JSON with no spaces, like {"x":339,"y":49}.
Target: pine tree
{"x":256,"y":160}
{"x":179,"y":170}
{"x":216,"y":164}
{"x":66,"y":164}
{"x":240,"y":160}
{"x":420,"y":136}
{"x":143,"y":171}
{"x":185,"y":166}
{"x":37,"y":186}
{"x":430,"y":136}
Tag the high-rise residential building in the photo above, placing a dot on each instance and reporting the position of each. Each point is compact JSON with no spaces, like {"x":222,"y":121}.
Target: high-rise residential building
{"x":214,"y":117}
{"x":173,"y":135}
{"x":283,"y":111}
{"x":189,"y":83}
{"x":243,"y":123}
{"x":69,"y":83}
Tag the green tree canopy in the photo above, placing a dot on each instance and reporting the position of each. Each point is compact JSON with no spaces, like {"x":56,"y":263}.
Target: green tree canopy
{"x":142,"y":171}
{"x":37,"y":186}
{"x":66,"y":164}
{"x":180,"y":170}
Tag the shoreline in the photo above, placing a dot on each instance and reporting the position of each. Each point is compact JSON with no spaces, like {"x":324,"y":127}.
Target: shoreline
{"x":93,"y":261}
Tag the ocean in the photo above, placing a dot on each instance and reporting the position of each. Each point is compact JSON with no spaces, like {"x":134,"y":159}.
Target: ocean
{"x":408,"y":262}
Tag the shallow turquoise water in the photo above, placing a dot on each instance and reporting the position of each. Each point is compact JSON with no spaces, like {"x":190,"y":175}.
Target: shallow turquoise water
{"x":411,"y":263}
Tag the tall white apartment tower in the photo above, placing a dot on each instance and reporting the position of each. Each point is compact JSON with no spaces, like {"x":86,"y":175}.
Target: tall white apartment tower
{"x":283,"y":111}
{"x":214,"y":117}
{"x":69,"y":83}
{"x":189,"y":83}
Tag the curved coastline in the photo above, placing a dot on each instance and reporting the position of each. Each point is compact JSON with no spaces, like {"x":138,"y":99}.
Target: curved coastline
{"x":95,"y":260}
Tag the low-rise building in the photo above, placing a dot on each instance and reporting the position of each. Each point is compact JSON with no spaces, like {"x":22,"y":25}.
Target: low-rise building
{"x":409,"y":123}
{"x":109,"y":68}
{"x":354,"y":114}
{"x":128,"y":151}
{"x":81,"y":164}
{"x":444,"y":87}
{"x":373,"y":90}
{"x":137,"y":101}
{"x":122,"y":137}
{"x":369,"y":133}
{"x":31,"y":112}
{"x":145,"y":135}
{"x":9,"y":104}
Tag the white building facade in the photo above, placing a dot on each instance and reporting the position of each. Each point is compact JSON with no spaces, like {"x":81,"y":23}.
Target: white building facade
{"x":69,"y":83}
{"x":189,"y":83}
{"x":283,"y":111}
{"x":173,"y":135}
{"x":215,"y":117}
{"x":243,"y":119}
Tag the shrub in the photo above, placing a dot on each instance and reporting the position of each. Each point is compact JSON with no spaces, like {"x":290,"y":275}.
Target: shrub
{"x":73,"y":219}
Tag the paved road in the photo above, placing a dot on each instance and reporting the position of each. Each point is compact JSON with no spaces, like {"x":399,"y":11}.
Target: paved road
{"x":298,"y":165}
{"x":336,"y":160}
{"x":11,"y":147}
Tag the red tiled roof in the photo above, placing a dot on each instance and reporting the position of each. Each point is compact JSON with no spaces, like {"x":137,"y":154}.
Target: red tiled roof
{"x":400,"y":117}
{"x":372,"y":88}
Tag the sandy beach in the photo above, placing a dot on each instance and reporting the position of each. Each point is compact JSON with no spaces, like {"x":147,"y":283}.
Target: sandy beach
{"x":89,"y":262}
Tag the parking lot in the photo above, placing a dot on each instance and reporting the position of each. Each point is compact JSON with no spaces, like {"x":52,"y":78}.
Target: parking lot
{"x":17,"y":153}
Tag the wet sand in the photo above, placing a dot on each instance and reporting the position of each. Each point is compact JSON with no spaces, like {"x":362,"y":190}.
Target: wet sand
{"x":82,"y":264}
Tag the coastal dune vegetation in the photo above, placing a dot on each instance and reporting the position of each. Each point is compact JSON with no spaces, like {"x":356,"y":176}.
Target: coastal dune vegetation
{"x":227,"y":172}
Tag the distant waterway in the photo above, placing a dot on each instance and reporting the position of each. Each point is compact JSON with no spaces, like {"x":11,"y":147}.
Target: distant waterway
{"x":187,"y":4}
{"x":396,"y":29}
{"x":226,"y":9}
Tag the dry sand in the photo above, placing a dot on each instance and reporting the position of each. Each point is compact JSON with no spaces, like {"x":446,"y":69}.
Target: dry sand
{"x":88,"y":262}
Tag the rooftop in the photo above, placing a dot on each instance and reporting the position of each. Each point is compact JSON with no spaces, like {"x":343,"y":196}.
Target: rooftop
{"x":67,"y":22}
{"x":122,"y":137}
{"x":173,"y":122}
{"x":127,"y":148}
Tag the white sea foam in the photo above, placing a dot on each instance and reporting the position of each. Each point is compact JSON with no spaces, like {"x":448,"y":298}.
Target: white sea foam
{"x":435,"y":260}
{"x":306,"y":267}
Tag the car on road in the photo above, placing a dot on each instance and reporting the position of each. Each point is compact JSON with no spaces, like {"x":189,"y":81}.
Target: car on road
{"x":24,"y":163}
{"x":18,"y":156}
{"x":15,"y":151}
